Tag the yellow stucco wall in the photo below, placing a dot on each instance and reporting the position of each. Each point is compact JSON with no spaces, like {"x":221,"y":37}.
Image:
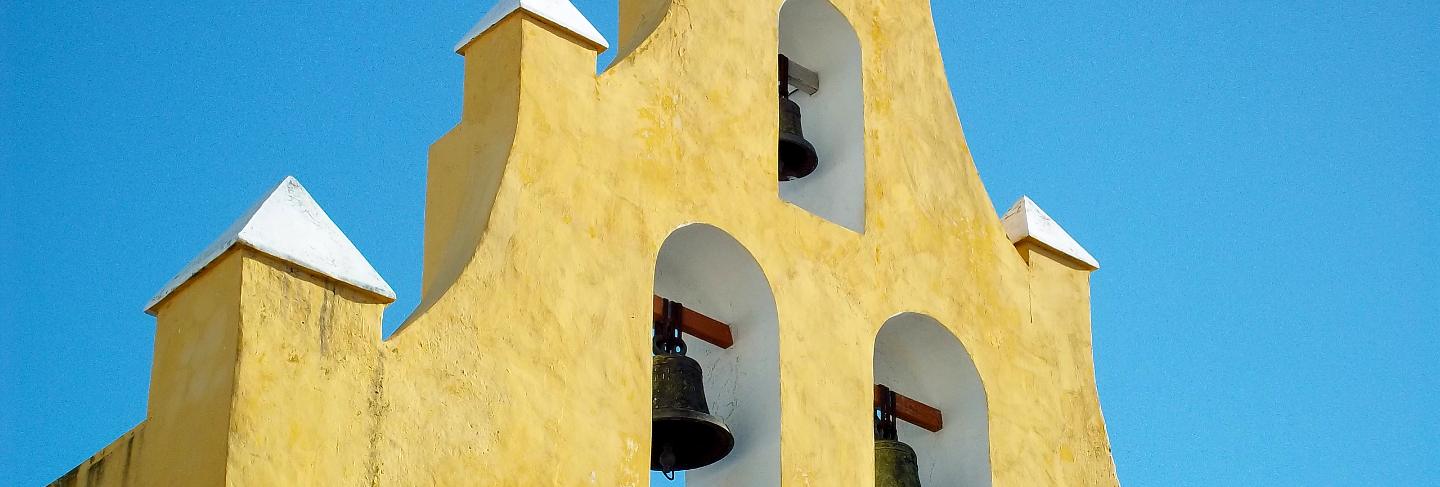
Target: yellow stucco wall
{"x":527,"y":362}
{"x":192,"y":383}
{"x":1060,"y":329}
{"x":112,"y":466}
{"x":306,"y":399}
{"x":184,"y":439}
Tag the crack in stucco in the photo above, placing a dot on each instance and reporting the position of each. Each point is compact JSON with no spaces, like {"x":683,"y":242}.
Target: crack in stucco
{"x":377,"y":409}
{"x":327,"y":303}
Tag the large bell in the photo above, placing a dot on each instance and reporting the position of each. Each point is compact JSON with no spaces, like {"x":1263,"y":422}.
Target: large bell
{"x":797,"y":156}
{"x":896,"y":465}
{"x":684,"y":435}
{"x":895,"y":462}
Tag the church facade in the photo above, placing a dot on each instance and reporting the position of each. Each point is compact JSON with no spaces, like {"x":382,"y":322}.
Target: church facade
{"x":565,"y":203}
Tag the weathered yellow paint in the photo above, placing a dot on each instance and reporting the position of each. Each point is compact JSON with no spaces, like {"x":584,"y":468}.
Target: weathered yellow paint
{"x":1060,"y":290}
{"x":192,"y":382}
{"x":306,"y":383}
{"x":262,"y":373}
{"x":527,"y":362}
{"x":111,"y":467}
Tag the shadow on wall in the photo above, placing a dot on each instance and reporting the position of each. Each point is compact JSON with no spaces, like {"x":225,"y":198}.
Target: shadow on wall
{"x":708,"y":271}
{"x":916,"y":356}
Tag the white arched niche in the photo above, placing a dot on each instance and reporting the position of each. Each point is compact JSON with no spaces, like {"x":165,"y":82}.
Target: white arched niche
{"x":815,"y":35}
{"x":916,"y":356}
{"x":708,"y":271}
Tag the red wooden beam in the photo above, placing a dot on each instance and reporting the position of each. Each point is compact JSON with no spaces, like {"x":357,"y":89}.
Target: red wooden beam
{"x":698,"y":325}
{"x":913,"y":412}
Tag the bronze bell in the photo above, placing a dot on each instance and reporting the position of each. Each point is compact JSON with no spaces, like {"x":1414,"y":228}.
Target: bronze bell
{"x":797,"y":156}
{"x":896,"y":464}
{"x":684,"y":435}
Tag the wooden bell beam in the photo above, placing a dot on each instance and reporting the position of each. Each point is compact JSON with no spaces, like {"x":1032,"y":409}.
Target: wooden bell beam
{"x":912,"y":411}
{"x":803,"y":78}
{"x":698,"y":325}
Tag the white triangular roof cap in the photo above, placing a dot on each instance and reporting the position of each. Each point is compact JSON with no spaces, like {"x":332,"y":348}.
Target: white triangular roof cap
{"x":287,"y":224}
{"x":1026,"y":220}
{"x":560,"y":13}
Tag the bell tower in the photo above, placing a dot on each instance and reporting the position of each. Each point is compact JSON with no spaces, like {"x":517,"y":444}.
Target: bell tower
{"x":874,"y":322}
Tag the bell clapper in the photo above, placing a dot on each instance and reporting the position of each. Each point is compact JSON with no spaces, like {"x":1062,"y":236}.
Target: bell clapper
{"x":667,"y":461}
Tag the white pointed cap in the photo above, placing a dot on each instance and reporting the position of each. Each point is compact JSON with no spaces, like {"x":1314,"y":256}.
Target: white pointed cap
{"x":559,"y":13}
{"x":1025,"y":220}
{"x":288,"y":225}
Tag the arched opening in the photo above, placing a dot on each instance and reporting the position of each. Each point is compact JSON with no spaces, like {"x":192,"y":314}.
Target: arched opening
{"x":708,"y":271}
{"x":916,"y":356}
{"x":815,"y":35}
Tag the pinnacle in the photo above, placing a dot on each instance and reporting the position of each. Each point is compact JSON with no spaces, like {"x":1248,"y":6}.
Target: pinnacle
{"x":1025,"y":220}
{"x":287,"y":224}
{"x":560,"y":13}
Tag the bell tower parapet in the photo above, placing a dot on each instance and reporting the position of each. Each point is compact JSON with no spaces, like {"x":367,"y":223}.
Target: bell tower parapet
{"x":282,"y":293}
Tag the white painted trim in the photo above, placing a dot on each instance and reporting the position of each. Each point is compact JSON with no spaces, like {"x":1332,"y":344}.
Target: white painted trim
{"x":1026,"y":220}
{"x":561,"y":13}
{"x":288,"y":225}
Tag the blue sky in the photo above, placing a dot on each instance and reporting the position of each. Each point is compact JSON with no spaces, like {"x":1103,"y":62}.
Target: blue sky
{"x":1259,"y":182}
